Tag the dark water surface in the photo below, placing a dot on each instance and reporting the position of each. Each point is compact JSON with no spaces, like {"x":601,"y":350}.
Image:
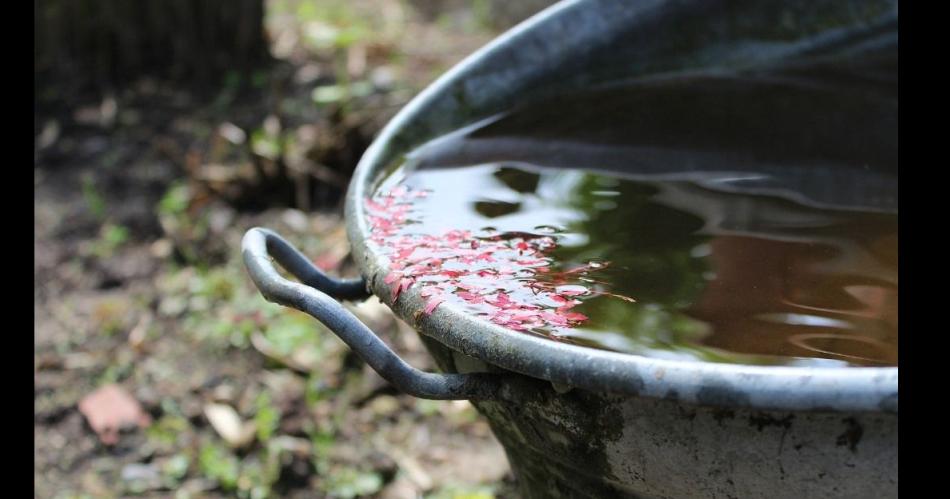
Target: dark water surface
{"x":664,"y":238}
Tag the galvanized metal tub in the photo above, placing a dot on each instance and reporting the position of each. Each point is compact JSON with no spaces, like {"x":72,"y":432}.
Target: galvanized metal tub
{"x":580,"y":422}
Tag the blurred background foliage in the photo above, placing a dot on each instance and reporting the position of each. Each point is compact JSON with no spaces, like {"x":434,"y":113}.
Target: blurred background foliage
{"x":163,"y":130}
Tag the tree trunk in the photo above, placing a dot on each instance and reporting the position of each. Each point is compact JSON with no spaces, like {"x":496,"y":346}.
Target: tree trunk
{"x":106,"y":43}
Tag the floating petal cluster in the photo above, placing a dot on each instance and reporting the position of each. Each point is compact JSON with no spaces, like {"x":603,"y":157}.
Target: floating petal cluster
{"x":508,"y":277}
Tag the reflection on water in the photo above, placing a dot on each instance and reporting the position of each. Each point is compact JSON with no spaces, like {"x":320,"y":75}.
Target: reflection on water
{"x":716,"y":275}
{"x":752,"y":218}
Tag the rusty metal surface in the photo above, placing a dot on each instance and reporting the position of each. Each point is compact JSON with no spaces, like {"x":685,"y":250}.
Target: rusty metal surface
{"x":573,"y":443}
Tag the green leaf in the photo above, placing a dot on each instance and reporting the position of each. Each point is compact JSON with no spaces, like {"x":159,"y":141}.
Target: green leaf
{"x":265,"y":145}
{"x":94,"y":200}
{"x":267,"y":418}
{"x":176,"y":467}
{"x":175,"y":201}
{"x":329,"y":94}
{"x":218,"y":464}
{"x":349,"y":482}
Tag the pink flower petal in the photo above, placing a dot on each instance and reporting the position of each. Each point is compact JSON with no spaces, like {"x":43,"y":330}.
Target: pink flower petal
{"x":432,"y":303}
{"x":509,"y":281}
{"x":575,"y":316}
{"x":392,"y":277}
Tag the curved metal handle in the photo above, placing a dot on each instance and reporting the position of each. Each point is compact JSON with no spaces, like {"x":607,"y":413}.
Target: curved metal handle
{"x":311,"y":297}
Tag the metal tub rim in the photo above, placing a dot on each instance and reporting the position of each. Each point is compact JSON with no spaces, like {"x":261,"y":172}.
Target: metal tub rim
{"x":862,"y":389}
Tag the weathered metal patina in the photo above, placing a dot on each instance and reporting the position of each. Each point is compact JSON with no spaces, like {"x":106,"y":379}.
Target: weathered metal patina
{"x":579,"y":422}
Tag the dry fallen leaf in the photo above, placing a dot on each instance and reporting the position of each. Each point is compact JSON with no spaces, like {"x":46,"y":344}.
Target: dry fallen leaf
{"x":298,"y":361}
{"x":226,"y":421}
{"x":111,"y":409}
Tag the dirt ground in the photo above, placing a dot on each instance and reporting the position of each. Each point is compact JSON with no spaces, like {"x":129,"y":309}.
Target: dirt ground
{"x":140,"y":201}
